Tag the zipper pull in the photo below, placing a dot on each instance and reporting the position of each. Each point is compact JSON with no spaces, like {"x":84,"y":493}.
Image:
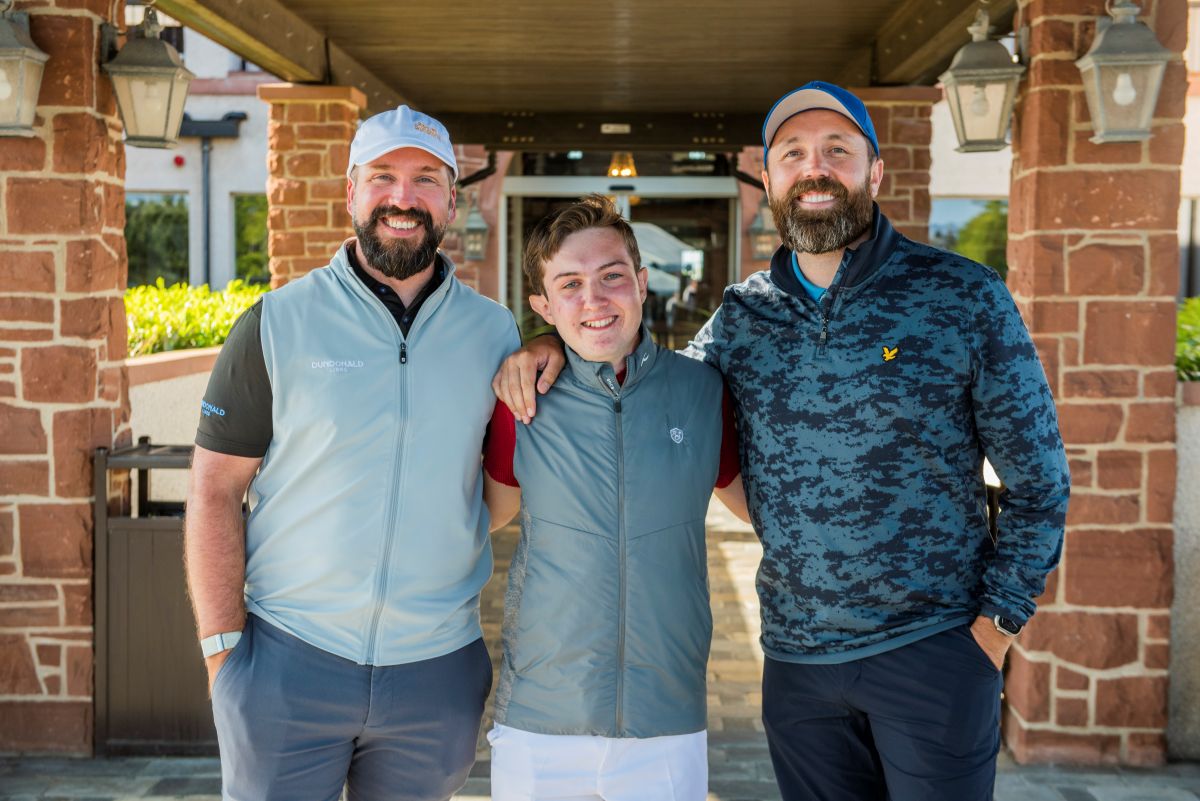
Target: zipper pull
{"x":404,"y":353}
{"x":824,"y":329}
{"x":617,"y":405}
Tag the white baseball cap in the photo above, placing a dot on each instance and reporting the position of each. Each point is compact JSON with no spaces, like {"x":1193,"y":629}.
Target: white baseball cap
{"x":401,"y":127}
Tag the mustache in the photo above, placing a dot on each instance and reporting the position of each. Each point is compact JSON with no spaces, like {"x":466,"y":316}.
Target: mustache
{"x":823,"y":185}
{"x":417,"y":215}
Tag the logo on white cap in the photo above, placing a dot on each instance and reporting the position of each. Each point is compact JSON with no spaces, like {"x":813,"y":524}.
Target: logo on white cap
{"x":425,"y":129}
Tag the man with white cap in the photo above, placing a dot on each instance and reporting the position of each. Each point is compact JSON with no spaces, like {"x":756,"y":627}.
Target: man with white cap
{"x":340,"y":624}
{"x":871,"y":375}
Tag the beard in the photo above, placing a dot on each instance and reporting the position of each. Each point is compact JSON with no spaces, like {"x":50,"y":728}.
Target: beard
{"x":398,"y":258}
{"x":823,"y":230}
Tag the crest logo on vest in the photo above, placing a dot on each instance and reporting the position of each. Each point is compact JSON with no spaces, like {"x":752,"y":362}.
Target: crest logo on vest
{"x":338,"y":365}
{"x":676,"y":435}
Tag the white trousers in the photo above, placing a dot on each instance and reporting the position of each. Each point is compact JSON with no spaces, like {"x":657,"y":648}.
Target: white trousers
{"x":568,"y":767}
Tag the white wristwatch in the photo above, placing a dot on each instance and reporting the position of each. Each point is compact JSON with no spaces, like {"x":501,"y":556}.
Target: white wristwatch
{"x":219,"y":642}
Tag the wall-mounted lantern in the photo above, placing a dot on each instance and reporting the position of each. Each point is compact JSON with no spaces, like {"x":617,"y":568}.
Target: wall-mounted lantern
{"x":764,"y":236}
{"x":980,"y":87}
{"x":21,"y":66}
{"x":475,"y":235}
{"x":1122,"y":75}
{"x":151,"y":84}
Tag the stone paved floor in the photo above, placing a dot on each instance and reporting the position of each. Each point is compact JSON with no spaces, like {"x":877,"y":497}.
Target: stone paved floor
{"x":739,"y":768}
{"x":739,"y":771}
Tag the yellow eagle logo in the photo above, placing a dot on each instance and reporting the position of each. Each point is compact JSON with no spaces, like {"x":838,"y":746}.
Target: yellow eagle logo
{"x":889,"y":353}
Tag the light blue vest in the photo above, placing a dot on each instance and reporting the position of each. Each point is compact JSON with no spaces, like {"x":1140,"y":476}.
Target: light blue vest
{"x":607,"y":622}
{"x":368,"y":536}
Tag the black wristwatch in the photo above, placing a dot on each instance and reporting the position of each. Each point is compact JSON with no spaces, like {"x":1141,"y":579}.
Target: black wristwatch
{"x":1006,"y":626}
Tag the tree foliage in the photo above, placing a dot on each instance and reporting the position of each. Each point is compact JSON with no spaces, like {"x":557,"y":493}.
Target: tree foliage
{"x":250,"y":222}
{"x":984,"y":238}
{"x":1187,"y":341}
{"x":156,"y":236}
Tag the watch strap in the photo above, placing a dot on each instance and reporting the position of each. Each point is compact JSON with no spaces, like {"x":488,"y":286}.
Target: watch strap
{"x":217,"y":643}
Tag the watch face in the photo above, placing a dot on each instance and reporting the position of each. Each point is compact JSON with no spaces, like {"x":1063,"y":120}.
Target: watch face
{"x":1007,"y":626}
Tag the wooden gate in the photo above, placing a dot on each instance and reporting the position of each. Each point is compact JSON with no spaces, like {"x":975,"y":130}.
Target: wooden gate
{"x":151,"y":687}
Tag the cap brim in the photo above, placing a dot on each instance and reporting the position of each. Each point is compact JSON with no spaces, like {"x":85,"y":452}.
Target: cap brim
{"x":373,"y":153}
{"x":797,"y":102}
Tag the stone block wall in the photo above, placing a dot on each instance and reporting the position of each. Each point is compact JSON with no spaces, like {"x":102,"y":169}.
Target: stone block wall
{"x":63,"y":388}
{"x":1093,"y":264}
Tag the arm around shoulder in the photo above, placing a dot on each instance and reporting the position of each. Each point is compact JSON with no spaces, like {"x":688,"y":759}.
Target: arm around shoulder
{"x":517,"y":383}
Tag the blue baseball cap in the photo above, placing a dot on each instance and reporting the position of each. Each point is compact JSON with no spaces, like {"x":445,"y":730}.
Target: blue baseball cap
{"x":401,"y":127}
{"x":813,"y":95}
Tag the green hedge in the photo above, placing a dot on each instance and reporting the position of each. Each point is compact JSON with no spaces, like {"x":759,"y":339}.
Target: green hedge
{"x":1187,"y":341}
{"x":176,"y":317}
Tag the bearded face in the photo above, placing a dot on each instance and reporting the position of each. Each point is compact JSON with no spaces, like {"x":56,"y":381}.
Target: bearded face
{"x":399,"y":258}
{"x":828,"y":229}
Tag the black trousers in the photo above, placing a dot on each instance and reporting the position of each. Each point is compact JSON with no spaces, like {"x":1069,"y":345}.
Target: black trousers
{"x":918,"y":723}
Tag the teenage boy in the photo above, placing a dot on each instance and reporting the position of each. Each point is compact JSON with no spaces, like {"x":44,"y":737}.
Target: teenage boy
{"x":606,"y":622}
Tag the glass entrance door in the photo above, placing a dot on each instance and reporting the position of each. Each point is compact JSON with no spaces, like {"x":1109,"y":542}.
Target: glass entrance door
{"x":687,"y":244}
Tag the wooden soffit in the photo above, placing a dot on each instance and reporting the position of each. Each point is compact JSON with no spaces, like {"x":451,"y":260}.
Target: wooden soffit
{"x":568,"y":62}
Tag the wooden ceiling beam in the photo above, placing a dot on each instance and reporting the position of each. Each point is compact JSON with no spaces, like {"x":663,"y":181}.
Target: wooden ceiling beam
{"x":266,"y":33}
{"x":916,"y":44}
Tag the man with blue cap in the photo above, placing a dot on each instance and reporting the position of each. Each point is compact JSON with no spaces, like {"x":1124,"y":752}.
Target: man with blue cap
{"x":340,"y":624}
{"x":872,"y":375}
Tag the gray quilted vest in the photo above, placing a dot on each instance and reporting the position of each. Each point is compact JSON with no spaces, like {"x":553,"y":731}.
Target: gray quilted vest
{"x":607,"y":623}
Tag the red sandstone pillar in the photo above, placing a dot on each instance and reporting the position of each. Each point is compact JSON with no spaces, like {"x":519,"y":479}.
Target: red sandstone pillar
{"x":1093,"y":264}
{"x":308,"y":148}
{"x":62,"y":376}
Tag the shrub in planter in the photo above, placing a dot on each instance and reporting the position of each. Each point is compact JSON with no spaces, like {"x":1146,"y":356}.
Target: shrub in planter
{"x":1187,"y":341}
{"x":177,"y":317}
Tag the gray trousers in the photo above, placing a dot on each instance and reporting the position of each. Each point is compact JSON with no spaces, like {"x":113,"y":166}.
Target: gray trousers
{"x":295,"y":722}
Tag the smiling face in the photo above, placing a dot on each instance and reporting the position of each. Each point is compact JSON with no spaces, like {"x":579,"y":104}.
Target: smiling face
{"x":821,"y":181}
{"x":593,"y":295}
{"x":401,"y":204}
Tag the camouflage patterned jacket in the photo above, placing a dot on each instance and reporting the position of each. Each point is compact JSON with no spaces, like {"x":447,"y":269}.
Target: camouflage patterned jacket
{"x":864,"y":421}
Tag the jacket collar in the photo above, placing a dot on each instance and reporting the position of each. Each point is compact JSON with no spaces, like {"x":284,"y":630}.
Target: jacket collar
{"x":857,"y":265}
{"x":601,"y":376}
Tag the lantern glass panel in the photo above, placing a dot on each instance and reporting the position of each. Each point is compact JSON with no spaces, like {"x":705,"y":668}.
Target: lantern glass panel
{"x":1127,"y":92}
{"x":983,"y":106}
{"x":31,"y":82}
{"x":151,"y":96}
{"x":20,"y":79}
{"x":476,"y":243}
{"x":764,"y":245}
{"x":178,"y":97}
{"x":129,"y":112}
{"x":12,"y":93}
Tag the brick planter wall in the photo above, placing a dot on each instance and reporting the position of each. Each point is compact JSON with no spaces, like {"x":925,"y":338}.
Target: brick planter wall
{"x":902,"y":119}
{"x":62,"y":378}
{"x":1094,"y":266}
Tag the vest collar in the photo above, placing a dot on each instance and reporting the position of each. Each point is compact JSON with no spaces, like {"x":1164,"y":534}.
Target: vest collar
{"x":342,"y":268}
{"x":601,"y":376}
